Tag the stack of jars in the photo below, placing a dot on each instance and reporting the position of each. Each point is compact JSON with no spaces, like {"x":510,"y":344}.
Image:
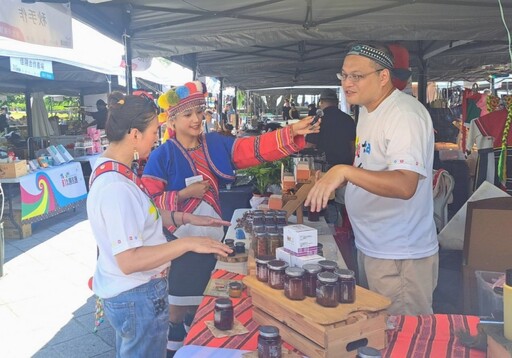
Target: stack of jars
{"x":326,"y":282}
{"x":267,"y":231}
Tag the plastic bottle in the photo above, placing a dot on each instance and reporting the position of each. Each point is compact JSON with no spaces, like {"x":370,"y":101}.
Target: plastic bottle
{"x":507,"y":305}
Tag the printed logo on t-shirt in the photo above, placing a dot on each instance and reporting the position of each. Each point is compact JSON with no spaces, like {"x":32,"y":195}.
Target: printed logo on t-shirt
{"x":153,"y":211}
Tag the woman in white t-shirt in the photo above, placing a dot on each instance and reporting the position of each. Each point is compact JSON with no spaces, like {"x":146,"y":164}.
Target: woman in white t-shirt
{"x":134,"y":255}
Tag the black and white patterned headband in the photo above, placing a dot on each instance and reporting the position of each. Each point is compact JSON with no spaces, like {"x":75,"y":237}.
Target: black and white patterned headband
{"x":372,"y":53}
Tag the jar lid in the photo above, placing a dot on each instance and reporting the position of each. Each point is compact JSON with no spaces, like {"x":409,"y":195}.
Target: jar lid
{"x":344,"y":273}
{"x":223,"y":303}
{"x":264,"y":259}
{"x":269,"y":331}
{"x":260,"y":234}
{"x":235,"y":285}
{"x":281,"y":213}
{"x":277,"y":265}
{"x":294,"y":271}
{"x":327,"y":277}
{"x":239,"y":243}
{"x":328,"y":264}
{"x":227,"y":241}
{"x":312,"y":268}
{"x":274,"y":234}
{"x":368,"y":352}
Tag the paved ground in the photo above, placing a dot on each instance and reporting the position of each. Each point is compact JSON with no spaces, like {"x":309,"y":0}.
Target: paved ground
{"x":46,"y":306}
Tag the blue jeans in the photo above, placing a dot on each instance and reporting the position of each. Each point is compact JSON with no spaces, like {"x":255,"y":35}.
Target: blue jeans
{"x":140,"y":318}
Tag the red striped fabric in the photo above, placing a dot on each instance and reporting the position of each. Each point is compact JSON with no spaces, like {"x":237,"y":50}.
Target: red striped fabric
{"x":199,"y":333}
{"x":429,"y":336}
{"x":211,"y":196}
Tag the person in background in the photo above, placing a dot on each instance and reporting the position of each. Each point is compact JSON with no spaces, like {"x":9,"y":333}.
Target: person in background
{"x":133,"y":254}
{"x":336,"y":139}
{"x":311,"y":109}
{"x":100,"y":117}
{"x":286,"y":110}
{"x":389,"y":186}
{"x":185,"y":173}
{"x":209,"y":125}
{"x":294,"y":112}
{"x":4,"y":120}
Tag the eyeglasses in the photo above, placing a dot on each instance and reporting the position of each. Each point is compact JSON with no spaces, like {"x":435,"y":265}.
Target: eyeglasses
{"x":355,"y":77}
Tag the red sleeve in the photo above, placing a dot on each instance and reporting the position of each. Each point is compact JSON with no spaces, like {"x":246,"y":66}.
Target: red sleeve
{"x":251,"y":151}
{"x":166,"y":200}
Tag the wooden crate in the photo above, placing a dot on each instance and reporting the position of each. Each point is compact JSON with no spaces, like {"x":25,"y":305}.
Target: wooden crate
{"x":321,"y":332}
{"x":10,"y":231}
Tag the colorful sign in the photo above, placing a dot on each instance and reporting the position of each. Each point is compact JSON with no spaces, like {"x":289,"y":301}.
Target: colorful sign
{"x":51,"y":191}
{"x":31,"y":67}
{"x":37,"y":23}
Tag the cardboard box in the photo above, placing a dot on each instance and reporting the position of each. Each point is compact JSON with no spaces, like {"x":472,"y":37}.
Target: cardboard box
{"x":300,"y":239}
{"x":10,"y":230}
{"x":281,"y":254}
{"x":299,"y":261}
{"x":13,"y":170}
{"x":487,"y":244}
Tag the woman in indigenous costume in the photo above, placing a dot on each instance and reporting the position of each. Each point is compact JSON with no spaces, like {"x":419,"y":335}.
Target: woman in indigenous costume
{"x":184,"y":174}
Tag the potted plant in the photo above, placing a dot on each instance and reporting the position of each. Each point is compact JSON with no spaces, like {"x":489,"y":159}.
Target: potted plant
{"x":265,"y":175}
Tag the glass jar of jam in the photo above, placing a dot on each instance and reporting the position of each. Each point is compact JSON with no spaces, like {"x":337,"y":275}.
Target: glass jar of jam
{"x":262,"y":268}
{"x":346,"y":285}
{"x":310,"y":272}
{"x":257,"y":228}
{"x":269,"y":342}
{"x":328,"y":265}
{"x":261,"y":244}
{"x":223,"y":314}
{"x":240,"y":247}
{"x":294,"y":283}
{"x":235,"y":289}
{"x":229,"y":242}
{"x":273,"y":243}
{"x":258,"y":218}
{"x":276,"y":274}
{"x":270,"y":219}
{"x":327,"y":289}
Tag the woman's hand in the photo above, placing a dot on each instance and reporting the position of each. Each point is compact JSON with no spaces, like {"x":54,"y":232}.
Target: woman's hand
{"x":195,"y":190}
{"x":201,"y":220}
{"x":304,"y":126}
{"x":206,"y":245}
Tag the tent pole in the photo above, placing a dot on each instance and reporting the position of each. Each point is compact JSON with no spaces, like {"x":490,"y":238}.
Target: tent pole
{"x":128,"y":61}
{"x":128,"y":50}
{"x":220,"y":102}
{"x":422,"y":76}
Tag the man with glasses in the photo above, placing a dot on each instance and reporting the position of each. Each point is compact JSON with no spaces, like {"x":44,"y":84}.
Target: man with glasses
{"x":389,"y":187}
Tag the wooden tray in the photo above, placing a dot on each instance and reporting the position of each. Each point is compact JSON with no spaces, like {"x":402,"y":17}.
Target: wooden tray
{"x":365,"y":301}
{"x":321,"y":332}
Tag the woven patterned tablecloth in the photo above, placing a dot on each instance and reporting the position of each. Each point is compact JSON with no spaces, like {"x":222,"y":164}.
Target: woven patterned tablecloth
{"x":429,"y":336}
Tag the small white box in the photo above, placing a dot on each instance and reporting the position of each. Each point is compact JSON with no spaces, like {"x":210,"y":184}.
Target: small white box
{"x":281,"y":254}
{"x":300,"y":238}
{"x":300,"y":261}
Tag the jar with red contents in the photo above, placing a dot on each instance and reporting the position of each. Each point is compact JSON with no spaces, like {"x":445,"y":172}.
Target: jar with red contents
{"x":294,"y":283}
{"x":276,"y":274}
{"x":310,"y":273}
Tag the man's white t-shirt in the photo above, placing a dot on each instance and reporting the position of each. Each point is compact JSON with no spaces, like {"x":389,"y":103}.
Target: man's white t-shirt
{"x":122,"y":217}
{"x":397,"y":135}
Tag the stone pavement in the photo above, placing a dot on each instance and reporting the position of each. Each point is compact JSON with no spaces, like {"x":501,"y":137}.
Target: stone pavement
{"x":46,"y":307}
